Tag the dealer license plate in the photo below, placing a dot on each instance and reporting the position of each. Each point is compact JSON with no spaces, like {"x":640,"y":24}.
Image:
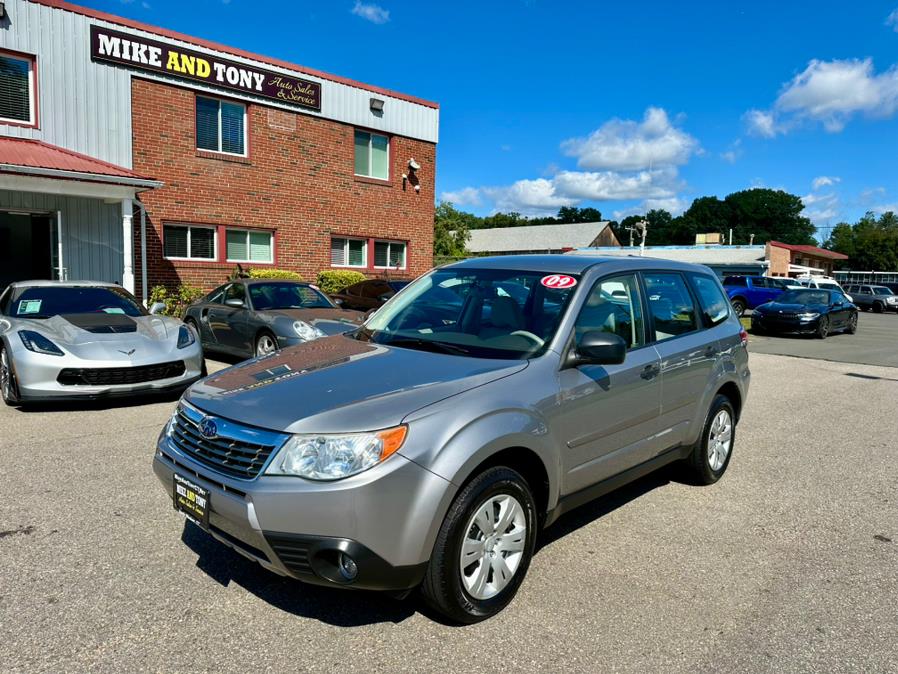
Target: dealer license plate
{"x":192,"y":500}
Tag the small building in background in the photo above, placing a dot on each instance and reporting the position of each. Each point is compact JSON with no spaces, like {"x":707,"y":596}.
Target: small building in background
{"x":793,"y":260}
{"x":723,"y":260}
{"x":541,"y":238}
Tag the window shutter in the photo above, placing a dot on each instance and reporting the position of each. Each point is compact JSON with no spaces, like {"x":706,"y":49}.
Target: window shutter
{"x":175,"y":241}
{"x":15,"y":97}
{"x":260,"y":247}
{"x":232,"y":121}
{"x":202,"y":243}
{"x":397,"y":255}
{"x":338,"y":257}
{"x":207,"y":124}
{"x":237,"y":245}
{"x":356,"y":253}
{"x":381,"y":253}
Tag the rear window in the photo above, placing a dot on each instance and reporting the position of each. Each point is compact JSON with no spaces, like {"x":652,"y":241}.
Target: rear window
{"x":713,"y":302}
{"x":735,"y":281}
{"x":670,"y":304}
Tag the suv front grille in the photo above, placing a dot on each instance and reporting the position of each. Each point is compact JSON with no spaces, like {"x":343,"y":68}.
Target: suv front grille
{"x":117,"y":376}
{"x":225,"y":453}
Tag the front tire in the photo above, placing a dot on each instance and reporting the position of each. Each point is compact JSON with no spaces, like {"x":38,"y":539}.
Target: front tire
{"x":711,"y":454}
{"x":852,"y":324}
{"x":9,"y":388}
{"x":822,"y":327}
{"x":878,"y":307}
{"x":483,"y":548}
{"x":266,"y":343}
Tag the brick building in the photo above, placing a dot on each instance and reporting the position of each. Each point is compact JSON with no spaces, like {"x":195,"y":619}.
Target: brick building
{"x":129,"y":152}
{"x":793,"y":260}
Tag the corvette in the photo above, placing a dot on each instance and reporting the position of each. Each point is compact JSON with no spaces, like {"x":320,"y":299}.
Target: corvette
{"x":62,"y":340}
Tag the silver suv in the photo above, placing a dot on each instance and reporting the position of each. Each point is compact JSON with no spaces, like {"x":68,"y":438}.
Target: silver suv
{"x":428,"y":448}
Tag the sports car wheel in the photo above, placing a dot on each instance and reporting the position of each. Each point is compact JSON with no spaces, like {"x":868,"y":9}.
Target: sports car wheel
{"x":823,"y":327}
{"x":852,"y":324}
{"x":8,"y":387}
{"x":266,"y":343}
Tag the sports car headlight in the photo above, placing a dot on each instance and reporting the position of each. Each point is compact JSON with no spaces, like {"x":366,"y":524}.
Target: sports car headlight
{"x":808,"y":315}
{"x":332,"y":457}
{"x":306,"y":332}
{"x":185,"y":337}
{"x":35,"y":341}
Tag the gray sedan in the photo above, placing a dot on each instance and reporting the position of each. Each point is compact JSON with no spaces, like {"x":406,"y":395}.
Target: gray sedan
{"x":88,"y":340}
{"x":255,"y":317}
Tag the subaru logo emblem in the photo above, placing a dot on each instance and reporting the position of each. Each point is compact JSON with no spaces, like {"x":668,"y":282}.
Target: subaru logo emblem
{"x":208,"y":428}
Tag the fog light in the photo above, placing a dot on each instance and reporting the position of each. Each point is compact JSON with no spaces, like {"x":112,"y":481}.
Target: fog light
{"x":348,"y":568}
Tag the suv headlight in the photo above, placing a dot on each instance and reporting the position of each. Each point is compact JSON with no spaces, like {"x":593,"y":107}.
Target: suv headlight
{"x":332,"y":457}
{"x":185,"y":337}
{"x":306,"y":332}
{"x":35,"y":341}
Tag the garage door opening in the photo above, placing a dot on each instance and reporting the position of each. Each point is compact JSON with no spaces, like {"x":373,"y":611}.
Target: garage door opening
{"x":29,"y":247}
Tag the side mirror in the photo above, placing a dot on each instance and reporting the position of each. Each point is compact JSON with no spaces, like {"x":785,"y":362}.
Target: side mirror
{"x":157,"y":307}
{"x":337,"y":301}
{"x":598,"y":348}
{"x":234,"y":302}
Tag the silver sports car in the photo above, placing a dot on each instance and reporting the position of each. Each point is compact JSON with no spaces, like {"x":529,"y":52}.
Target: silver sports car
{"x":89,"y":340}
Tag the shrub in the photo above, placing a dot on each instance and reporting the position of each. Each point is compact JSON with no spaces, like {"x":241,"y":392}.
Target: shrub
{"x":335,"y":280}
{"x":284,"y":274}
{"x":176,"y":299}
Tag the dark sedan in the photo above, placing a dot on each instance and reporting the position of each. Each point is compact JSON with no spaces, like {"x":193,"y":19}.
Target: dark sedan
{"x":807,"y":311}
{"x":255,"y":317}
{"x":368,"y":294}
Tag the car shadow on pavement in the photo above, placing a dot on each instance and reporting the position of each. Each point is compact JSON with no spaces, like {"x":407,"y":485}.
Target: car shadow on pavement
{"x":590,"y":512}
{"x":118,"y":402}
{"x":341,"y":608}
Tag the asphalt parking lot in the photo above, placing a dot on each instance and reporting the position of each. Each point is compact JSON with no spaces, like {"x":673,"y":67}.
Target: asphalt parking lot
{"x":875,"y":343}
{"x":787,"y":564}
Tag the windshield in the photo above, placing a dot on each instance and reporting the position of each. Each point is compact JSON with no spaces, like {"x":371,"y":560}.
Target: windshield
{"x":881,"y":290}
{"x":54,"y":300}
{"x":286,"y":295}
{"x":804,"y":297}
{"x":486,"y":313}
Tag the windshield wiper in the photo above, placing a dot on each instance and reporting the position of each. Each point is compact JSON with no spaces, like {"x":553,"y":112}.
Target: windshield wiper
{"x":433,"y":345}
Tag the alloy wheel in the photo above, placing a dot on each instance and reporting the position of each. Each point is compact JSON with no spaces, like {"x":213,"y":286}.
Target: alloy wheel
{"x":720,"y":440}
{"x":5,"y":375}
{"x":265,"y":345}
{"x":493,"y":546}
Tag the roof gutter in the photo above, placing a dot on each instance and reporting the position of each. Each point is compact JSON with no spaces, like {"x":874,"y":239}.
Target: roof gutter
{"x":145,"y":183}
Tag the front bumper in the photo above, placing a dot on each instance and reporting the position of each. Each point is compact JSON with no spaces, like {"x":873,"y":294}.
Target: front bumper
{"x":795,"y":326}
{"x":38,"y":375}
{"x":384,"y":518}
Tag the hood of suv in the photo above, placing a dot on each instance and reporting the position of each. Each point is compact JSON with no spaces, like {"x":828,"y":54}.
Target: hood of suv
{"x":339,"y":384}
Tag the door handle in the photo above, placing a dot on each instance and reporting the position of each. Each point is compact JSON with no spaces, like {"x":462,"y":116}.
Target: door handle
{"x":650,"y":371}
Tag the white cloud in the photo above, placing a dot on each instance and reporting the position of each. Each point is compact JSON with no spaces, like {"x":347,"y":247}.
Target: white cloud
{"x":627,"y":145}
{"x":528,"y":196}
{"x":831,"y":93}
{"x":824,"y":181}
{"x":885,"y":208}
{"x":821,"y":208}
{"x":892,"y":20}
{"x":371,"y":12}
{"x":760,"y":123}
{"x":467,"y":196}
{"x":730,"y":156}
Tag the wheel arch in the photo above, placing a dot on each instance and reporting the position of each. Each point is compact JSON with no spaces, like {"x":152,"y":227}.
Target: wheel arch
{"x":731,"y":391}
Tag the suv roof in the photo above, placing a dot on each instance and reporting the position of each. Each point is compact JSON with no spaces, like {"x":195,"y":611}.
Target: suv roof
{"x":574,"y":264}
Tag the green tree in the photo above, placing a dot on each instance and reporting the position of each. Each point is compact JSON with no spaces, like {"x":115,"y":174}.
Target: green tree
{"x":769,"y":215}
{"x":451,"y":230}
{"x":871,"y":243}
{"x":707,"y":215}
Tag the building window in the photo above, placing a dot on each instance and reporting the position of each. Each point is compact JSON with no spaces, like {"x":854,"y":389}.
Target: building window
{"x":244,"y":245}
{"x":372,"y":153}
{"x":220,"y":126}
{"x":183,"y":242}
{"x":349,"y":252}
{"x":389,"y":255}
{"x":17,"y":90}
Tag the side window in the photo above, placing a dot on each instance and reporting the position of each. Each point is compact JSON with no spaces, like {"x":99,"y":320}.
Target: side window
{"x":761,"y":282}
{"x":216,"y":296}
{"x":738,"y":281}
{"x":670,"y":304}
{"x":714,"y":304}
{"x":236,"y":291}
{"x":613,"y":306}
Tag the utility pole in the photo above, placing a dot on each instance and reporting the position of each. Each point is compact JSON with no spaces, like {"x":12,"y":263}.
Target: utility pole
{"x":643,"y":227}
{"x":751,"y":239}
{"x":731,"y":236}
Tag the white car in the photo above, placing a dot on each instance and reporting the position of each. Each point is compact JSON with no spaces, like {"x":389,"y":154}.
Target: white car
{"x":824,"y":283}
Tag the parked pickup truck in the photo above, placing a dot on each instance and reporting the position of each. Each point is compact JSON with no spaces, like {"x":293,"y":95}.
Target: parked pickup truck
{"x":748,"y":292}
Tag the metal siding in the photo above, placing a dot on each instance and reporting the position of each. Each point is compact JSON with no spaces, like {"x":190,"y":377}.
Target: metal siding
{"x":92,"y":232}
{"x":86,"y":106}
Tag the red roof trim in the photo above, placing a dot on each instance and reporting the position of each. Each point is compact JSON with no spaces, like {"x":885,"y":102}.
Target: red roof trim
{"x":112,"y":18}
{"x":810,"y":250}
{"x":46,"y":150}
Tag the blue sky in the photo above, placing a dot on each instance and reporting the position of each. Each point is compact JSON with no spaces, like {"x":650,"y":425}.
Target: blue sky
{"x":621,"y":106}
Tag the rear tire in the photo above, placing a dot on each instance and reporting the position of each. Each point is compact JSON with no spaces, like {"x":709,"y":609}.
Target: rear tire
{"x":493,"y":523}
{"x":822,"y":328}
{"x":739,"y":306}
{"x":711,"y":454}
{"x":9,"y":388}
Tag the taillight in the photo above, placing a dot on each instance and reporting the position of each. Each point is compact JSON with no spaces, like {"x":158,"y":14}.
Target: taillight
{"x":743,"y":335}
